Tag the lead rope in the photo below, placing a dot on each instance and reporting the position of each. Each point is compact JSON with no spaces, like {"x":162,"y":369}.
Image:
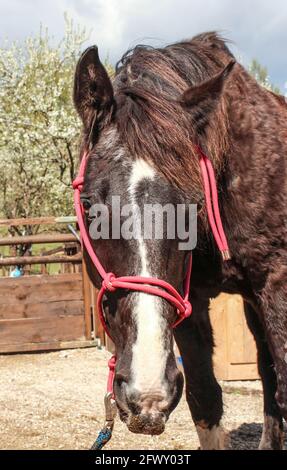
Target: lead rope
{"x":149,"y":285}
{"x":110,"y":410}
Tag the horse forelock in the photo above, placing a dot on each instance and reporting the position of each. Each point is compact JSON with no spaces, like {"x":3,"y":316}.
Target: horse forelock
{"x":150,"y":119}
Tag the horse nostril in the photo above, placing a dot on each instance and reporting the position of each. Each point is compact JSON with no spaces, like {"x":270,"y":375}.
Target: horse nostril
{"x":127,"y":399}
{"x":133,"y":403}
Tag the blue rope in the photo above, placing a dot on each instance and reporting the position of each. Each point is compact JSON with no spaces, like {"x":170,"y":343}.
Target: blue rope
{"x":104,"y":436}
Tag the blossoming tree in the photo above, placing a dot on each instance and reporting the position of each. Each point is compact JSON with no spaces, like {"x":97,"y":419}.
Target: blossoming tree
{"x":39,"y":129}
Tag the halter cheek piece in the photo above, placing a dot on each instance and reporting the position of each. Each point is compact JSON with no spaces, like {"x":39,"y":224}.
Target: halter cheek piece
{"x":148,"y":285}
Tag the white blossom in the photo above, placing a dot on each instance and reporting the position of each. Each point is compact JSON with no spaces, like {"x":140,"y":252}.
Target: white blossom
{"x":39,"y":129}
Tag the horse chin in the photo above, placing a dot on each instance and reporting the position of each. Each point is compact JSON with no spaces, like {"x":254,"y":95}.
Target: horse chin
{"x":143,"y":423}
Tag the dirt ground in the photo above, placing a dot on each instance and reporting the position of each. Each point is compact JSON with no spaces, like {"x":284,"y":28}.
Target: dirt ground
{"x":55,"y":401}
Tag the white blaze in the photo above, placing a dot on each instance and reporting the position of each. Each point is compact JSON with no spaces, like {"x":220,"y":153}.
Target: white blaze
{"x":149,"y":355}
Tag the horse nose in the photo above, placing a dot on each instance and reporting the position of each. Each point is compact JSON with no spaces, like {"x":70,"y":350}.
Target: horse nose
{"x":135,"y":401}
{"x":147,"y":409}
{"x":126,"y":400}
{"x":149,"y":402}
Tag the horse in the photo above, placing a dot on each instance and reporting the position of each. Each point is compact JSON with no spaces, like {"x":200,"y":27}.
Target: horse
{"x":142,"y":130}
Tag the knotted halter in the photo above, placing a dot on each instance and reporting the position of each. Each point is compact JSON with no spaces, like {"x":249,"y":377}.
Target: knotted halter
{"x":150,"y":285}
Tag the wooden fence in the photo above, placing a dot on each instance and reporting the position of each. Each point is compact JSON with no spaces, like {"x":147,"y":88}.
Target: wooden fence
{"x":235,"y":354}
{"x":45,"y":311}
{"x":55,"y":311}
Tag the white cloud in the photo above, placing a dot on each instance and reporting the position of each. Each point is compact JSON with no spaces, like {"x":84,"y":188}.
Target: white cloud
{"x":258,"y":27}
{"x":103,"y":17}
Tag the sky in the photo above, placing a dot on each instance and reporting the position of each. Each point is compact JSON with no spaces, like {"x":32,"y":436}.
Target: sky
{"x":258,"y":28}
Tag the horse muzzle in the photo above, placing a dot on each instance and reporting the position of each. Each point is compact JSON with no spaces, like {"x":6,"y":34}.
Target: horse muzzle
{"x":147,"y":423}
{"x":147,"y":412}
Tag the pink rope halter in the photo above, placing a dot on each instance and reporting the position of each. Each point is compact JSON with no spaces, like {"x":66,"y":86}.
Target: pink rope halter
{"x":150,"y":285}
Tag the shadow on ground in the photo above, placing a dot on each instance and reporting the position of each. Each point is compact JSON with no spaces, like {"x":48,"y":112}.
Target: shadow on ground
{"x":247,"y":437}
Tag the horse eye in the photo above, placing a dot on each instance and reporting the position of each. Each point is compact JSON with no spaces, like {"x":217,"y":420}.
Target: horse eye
{"x":86,"y":202}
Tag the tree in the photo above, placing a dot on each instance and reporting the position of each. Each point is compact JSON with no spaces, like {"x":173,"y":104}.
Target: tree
{"x":261,"y":74}
{"x":39,"y":129}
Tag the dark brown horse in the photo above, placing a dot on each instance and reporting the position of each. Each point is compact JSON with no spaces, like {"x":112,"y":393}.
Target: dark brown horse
{"x":141,"y":131}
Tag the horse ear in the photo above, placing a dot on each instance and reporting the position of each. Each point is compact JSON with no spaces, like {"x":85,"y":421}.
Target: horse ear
{"x":207,"y":93}
{"x":93,"y":91}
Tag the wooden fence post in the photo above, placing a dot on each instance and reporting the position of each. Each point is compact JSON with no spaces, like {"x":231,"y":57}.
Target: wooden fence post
{"x":87,"y":301}
{"x":98,"y":327}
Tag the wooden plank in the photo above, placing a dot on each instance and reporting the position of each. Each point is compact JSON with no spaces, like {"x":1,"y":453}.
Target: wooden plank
{"x":235,"y":350}
{"x":250,"y":348}
{"x":110,"y":346}
{"x":41,"y":289}
{"x":234,"y":320}
{"x":37,"y":221}
{"x":66,"y":219}
{"x":53,"y":251}
{"x":42,"y":330}
{"x":242,"y":372}
{"x":50,"y":346}
{"x":87,"y":301}
{"x":218,"y":321}
{"x":241,"y":344}
{"x":36,"y":239}
{"x":38,"y":279}
{"x":23,"y":260}
{"x":99,"y":331}
{"x":41,"y":309}
{"x":28,"y":221}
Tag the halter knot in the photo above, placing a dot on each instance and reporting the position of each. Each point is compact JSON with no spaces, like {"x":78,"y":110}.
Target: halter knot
{"x":188,"y":308}
{"x":108,"y":282}
{"x":78,"y":183}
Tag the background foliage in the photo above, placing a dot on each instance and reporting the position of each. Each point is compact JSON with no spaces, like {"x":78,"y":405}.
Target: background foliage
{"x":261,"y":74}
{"x":39,"y":130}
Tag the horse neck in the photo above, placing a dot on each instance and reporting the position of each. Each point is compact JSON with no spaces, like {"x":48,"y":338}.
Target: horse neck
{"x":251,"y":178}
